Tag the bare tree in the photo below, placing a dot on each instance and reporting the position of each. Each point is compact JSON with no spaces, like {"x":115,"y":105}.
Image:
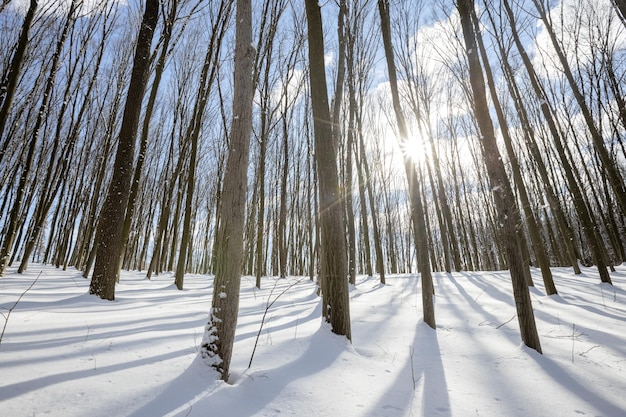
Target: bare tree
{"x":9,"y":83}
{"x":588,"y":223}
{"x":333,"y":255}
{"x":33,"y":140}
{"x":529,"y":216}
{"x":508,"y":215}
{"x":192,"y":134}
{"x":111,"y":223}
{"x":418,"y":216}
{"x":609,"y":164}
{"x":219,"y":337}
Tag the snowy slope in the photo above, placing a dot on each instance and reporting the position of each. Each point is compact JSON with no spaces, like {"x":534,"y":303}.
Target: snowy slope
{"x":66,"y":353}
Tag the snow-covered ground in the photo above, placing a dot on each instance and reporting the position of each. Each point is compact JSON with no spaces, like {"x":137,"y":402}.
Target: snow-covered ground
{"x":66,"y":353}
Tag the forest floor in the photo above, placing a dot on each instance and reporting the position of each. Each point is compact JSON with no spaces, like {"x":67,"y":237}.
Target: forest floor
{"x":65,"y":353}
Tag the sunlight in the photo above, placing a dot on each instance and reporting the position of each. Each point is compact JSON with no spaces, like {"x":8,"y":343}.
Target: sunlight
{"x":415,"y":148}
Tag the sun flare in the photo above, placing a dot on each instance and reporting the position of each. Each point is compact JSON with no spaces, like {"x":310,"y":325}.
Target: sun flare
{"x":414,"y":148}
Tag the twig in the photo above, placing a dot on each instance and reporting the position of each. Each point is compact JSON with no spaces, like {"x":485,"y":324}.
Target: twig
{"x":478,"y":296}
{"x":508,"y":321}
{"x":6,"y":317}
{"x":588,"y":350}
{"x":268,"y":305}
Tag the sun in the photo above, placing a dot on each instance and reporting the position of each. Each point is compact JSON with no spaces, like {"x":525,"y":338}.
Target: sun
{"x":414,"y":148}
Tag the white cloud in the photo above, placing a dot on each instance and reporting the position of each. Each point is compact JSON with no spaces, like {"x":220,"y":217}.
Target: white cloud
{"x":329,"y":59}
{"x":579,"y":24}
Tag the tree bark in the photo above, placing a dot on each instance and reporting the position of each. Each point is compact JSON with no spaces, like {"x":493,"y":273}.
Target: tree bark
{"x":15,"y":214}
{"x":531,"y":222}
{"x":219,"y":337}
{"x":8,"y":87}
{"x":588,"y":224}
{"x":499,"y":183}
{"x":109,"y":235}
{"x":609,"y":164}
{"x":333,"y":269}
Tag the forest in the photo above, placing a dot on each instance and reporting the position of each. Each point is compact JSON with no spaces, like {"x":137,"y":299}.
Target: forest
{"x":335,"y":141}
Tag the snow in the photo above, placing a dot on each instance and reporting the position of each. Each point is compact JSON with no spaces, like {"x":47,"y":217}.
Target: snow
{"x":67,"y":353}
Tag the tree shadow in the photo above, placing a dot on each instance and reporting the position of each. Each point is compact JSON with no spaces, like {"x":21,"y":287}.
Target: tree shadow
{"x":561,"y":377}
{"x":194,"y":392}
{"x":422,"y":379}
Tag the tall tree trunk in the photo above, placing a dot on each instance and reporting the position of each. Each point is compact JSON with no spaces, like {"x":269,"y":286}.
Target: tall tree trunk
{"x":207,"y":77}
{"x":531,"y":222}
{"x":609,"y":164}
{"x":282,"y":214}
{"x":529,"y":138}
{"x":109,"y":235}
{"x":588,"y":224}
{"x":9,"y":85}
{"x":503,"y":196}
{"x":145,"y":128}
{"x":219,"y":337}
{"x":415,"y":198}
{"x":14,"y":217}
{"x":333,"y":269}
{"x":350,"y":208}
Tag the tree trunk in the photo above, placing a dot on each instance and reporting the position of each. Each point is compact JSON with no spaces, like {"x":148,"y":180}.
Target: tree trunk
{"x":14,"y":217}
{"x":416,"y":205}
{"x":531,"y":222}
{"x":109,"y":235}
{"x":9,"y":85}
{"x":578,"y":198}
{"x":145,"y":128}
{"x":282,"y":214}
{"x":219,"y":337}
{"x":499,"y":183}
{"x":333,"y":269}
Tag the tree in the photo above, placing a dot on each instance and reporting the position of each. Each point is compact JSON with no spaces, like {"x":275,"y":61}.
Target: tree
{"x":111,"y":223}
{"x":620,"y":8}
{"x":219,"y":336}
{"x":584,"y":214}
{"x":56,"y":172}
{"x":418,"y":216}
{"x":34,"y":138}
{"x":333,"y":255}
{"x":531,"y":144}
{"x":508,"y":215}
{"x":609,"y":165}
{"x":192,"y":134}
{"x":531,"y":222}
{"x":9,"y":83}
